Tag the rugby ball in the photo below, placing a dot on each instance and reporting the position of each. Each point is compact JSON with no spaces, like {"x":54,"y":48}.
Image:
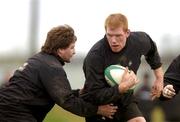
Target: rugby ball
{"x":113,"y":74}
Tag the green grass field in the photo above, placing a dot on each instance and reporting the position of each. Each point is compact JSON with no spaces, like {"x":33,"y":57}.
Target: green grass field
{"x":58,"y":114}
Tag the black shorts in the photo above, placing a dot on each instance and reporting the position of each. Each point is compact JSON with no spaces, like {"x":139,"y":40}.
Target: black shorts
{"x":127,"y":109}
{"x":124,"y":114}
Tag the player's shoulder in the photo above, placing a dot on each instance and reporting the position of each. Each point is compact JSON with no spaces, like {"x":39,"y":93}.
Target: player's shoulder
{"x":99,"y":47}
{"x":138,"y":34}
{"x":48,"y":60}
{"x":177,"y":58}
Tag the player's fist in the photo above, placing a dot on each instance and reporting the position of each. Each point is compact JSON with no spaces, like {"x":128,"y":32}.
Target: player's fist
{"x":168,"y":91}
{"x":129,"y":80}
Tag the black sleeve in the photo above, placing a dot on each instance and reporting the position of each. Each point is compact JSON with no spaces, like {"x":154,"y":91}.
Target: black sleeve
{"x":57,"y":86}
{"x":96,"y":89}
{"x":152,"y":56}
{"x":172,"y":76}
{"x":173,"y":72}
{"x":170,"y":82}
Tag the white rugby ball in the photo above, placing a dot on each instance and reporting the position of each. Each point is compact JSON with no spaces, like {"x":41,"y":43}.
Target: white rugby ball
{"x":113,"y":74}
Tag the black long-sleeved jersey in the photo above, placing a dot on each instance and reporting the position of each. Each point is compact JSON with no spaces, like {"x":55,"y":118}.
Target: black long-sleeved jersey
{"x":100,"y":56}
{"x":36,"y":87}
{"x":172,"y":74}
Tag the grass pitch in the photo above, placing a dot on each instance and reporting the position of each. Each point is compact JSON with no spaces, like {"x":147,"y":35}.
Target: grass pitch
{"x":58,"y":114}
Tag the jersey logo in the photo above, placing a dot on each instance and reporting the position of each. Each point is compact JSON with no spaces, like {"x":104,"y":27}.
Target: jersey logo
{"x":21,"y":68}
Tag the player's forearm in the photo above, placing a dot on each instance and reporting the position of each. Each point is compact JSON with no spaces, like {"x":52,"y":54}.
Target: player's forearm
{"x":159,"y":74}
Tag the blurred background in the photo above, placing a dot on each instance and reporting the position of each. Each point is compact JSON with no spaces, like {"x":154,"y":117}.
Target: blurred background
{"x":25,"y":23}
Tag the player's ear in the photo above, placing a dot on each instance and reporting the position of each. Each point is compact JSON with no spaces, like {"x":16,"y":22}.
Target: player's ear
{"x":128,"y":33}
{"x":59,"y":52}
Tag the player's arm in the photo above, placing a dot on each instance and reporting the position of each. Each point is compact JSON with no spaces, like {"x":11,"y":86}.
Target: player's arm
{"x":172,"y":79}
{"x":158,"y":83}
{"x":107,"y":110}
{"x":171,"y":88}
{"x":168,"y":91}
{"x":59,"y":89}
{"x":153,"y":58}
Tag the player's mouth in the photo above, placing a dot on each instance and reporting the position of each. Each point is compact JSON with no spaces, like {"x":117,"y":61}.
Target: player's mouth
{"x":115,"y":46}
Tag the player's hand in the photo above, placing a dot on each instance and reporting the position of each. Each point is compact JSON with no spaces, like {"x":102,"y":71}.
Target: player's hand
{"x":157,"y":89}
{"x":129,"y":80}
{"x":107,"y":110}
{"x":168,"y":91}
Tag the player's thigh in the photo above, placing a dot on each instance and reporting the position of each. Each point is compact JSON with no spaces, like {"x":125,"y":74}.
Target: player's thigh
{"x":133,"y":114}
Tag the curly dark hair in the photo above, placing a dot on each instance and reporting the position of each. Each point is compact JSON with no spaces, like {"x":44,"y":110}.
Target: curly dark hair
{"x":58,"y":37}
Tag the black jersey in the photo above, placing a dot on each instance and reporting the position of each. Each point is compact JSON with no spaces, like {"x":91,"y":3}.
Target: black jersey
{"x":100,"y":56}
{"x":34,"y":89}
{"x":172,"y":74}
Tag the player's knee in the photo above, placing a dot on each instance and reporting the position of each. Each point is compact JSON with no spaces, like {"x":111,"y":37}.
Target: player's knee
{"x":137,"y":119}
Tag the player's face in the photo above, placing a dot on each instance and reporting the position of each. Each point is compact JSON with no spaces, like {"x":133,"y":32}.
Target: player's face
{"x":116,"y":38}
{"x":67,"y":54}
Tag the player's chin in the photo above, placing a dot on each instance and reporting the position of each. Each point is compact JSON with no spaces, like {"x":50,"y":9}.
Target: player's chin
{"x":67,"y":61}
{"x":115,"y":50}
